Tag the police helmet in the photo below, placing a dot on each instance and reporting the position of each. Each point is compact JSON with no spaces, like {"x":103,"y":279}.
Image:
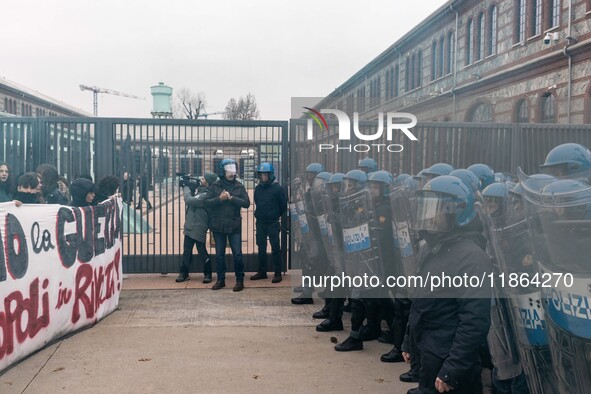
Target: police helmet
{"x":443,"y":204}
{"x":354,"y":181}
{"x":228,"y":165}
{"x":484,"y":173}
{"x":468,"y":178}
{"x":437,"y":169}
{"x":383,"y":179}
{"x":568,"y":161}
{"x":266,"y":168}
{"x":367,"y":165}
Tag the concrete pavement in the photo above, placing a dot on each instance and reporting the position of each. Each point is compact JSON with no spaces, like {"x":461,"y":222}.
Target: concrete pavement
{"x":198,"y":340}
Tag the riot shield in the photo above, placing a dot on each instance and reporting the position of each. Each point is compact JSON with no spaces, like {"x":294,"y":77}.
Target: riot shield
{"x":325,"y":218}
{"x":405,"y":239}
{"x":305,"y":223}
{"x":564,"y":211}
{"x":525,"y":257}
{"x":360,"y":237}
{"x":502,"y":341}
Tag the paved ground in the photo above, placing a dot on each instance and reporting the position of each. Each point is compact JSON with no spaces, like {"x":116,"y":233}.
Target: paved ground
{"x":198,"y":340}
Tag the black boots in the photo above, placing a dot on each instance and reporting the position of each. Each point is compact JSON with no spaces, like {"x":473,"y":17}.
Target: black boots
{"x":239,"y":286}
{"x":259,"y":275}
{"x":183,"y":276}
{"x":349,"y":344}
{"x":207,"y":271}
{"x":302,"y":300}
{"x":393,"y":356}
{"x":330,"y":325}
{"x":323,"y":313}
{"x":219,"y":284}
{"x":263,"y":275}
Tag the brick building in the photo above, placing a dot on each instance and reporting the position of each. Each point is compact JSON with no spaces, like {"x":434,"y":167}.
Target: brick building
{"x":524,"y":61}
{"x":18,"y":100}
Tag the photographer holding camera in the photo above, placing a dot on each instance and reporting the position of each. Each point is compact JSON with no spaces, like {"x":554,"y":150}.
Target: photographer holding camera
{"x":195,"y":192}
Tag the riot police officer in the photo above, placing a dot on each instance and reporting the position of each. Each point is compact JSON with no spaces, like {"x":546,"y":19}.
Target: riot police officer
{"x":307,"y":221}
{"x":468,"y":178}
{"x":568,"y":161}
{"x":271,"y":203}
{"x":334,"y":312}
{"x":362,"y":253}
{"x":564,"y":209}
{"x":484,"y":173}
{"x":507,"y":373}
{"x":449,"y":324}
{"x":436,"y":170}
{"x":367,"y":165}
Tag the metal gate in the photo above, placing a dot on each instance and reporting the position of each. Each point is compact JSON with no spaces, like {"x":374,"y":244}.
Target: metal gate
{"x":504,"y":147}
{"x":149,"y":153}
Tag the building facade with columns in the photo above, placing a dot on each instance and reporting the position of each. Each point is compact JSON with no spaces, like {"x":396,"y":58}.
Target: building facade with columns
{"x":504,"y":61}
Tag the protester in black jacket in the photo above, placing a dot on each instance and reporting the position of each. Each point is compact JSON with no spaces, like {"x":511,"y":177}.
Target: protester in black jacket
{"x":82,"y":191}
{"x":106,"y":187}
{"x":49,"y":187}
{"x":449,"y":322}
{"x":271,"y":203}
{"x":228,"y":197}
{"x":27,"y":189}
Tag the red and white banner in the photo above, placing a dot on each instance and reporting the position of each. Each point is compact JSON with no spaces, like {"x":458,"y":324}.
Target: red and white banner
{"x":60,"y":270}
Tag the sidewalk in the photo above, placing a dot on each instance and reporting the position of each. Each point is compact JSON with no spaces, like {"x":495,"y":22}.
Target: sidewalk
{"x":189,"y":340}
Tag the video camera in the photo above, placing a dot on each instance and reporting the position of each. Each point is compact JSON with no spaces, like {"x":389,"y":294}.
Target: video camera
{"x":187,"y":180}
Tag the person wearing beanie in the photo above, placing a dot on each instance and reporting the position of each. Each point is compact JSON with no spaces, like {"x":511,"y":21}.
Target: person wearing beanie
{"x":195,"y":228}
{"x":82,"y":191}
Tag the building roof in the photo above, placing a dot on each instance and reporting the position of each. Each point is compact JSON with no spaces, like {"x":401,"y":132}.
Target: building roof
{"x":447,"y":10}
{"x":32,"y":95}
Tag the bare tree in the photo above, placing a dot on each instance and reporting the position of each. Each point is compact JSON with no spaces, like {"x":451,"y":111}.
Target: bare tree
{"x":188,"y":105}
{"x":245,"y":108}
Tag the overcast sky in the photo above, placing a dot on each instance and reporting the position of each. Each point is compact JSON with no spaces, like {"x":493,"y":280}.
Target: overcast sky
{"x":275,"y":49}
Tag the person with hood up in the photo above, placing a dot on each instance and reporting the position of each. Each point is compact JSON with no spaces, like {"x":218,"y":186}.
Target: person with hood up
{"x":82,"y":191}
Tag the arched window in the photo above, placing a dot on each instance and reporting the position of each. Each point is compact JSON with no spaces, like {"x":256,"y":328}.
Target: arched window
{"x":481,"y":113}
{"x":547,"y":109}
{"x":434,"y":60}
{"x":449,"y":55}
{"x":469,"y":38}
{"x":522,"y":111}
{"x":491,"y":47}
{"x":479,"y":50}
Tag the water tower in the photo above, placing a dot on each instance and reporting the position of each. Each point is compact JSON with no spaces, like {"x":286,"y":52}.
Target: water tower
{"x":161,"y":95}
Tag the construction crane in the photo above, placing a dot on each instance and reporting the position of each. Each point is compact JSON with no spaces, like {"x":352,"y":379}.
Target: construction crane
{"x":210,"y":114}
{"x":96,"y":90}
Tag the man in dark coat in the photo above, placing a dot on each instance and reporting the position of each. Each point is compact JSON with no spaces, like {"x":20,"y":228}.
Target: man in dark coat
{"x":271,"y":203}
{"x":228,"y":196}
{"x":195,"y":228}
